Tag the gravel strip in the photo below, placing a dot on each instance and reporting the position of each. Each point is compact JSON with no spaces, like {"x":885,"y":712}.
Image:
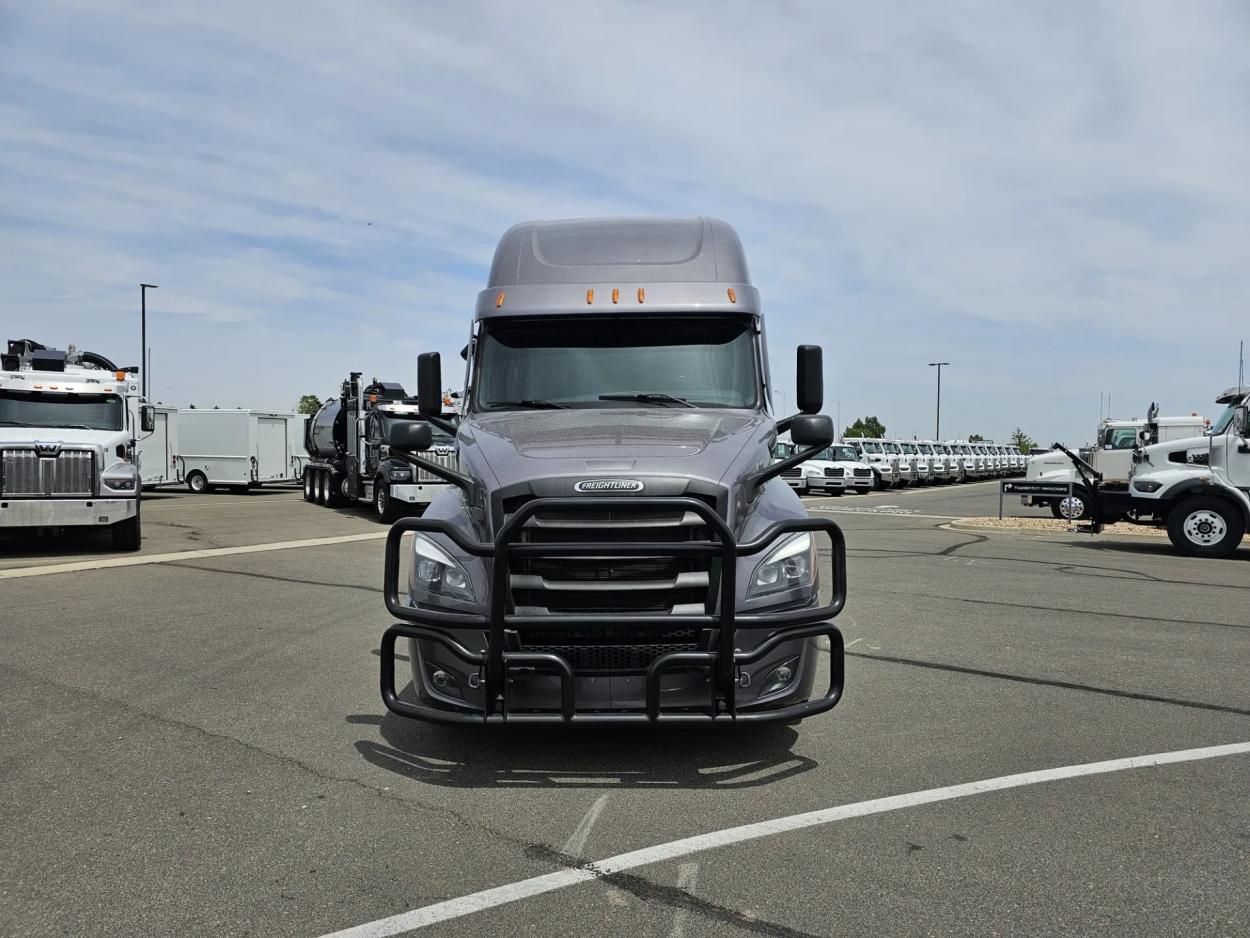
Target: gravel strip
{"x":1055,"y":526}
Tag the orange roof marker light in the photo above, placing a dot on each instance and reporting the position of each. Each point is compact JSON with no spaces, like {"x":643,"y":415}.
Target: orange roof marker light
{"x":119,"y":375}
{"x":616,"y":294}
{"x":733,"y":297}
{"x":590,"y":296}
{"x":642,"y":295}
{"x":499,"y":299}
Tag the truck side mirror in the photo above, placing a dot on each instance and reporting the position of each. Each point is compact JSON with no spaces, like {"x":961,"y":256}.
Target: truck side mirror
{"x":429,"y":384}
{"x":412,"y":435}
{"x":810,"y":379}
{"x":147,"y":418}
{"x":812,"y":429}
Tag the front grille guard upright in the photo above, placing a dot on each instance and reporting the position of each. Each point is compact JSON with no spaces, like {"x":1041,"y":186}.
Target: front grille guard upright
{"x":724,"y":661}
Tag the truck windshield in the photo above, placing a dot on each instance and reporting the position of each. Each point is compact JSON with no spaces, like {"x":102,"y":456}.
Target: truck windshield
{"x":650,"y":361}
{"x":76,"y":411}
{"x":1221,"y":425}
{"x":784,"y":450}
{"x":842,"y":454}
{"x":871,"y":447}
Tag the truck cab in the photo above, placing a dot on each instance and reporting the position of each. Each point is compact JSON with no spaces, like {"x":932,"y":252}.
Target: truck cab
{"x":872,"y":452}
{"x":939,"y":459}
{"x":69,"y":422}
{"x":839,"y":469}
{"x":618,"y":546}
{"x":905,"y":466}
{"x":1197,"y":487}
{"x":922,"y":462}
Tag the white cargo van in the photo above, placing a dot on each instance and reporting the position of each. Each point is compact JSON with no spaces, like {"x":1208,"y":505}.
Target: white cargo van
{"x":158,"y":449}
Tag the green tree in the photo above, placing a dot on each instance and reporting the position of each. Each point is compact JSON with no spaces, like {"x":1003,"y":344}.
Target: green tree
{"x":1022,"y":441}
{"x":867,"y":427}
{"x":308,"y":404}
{"x":976,"y":438}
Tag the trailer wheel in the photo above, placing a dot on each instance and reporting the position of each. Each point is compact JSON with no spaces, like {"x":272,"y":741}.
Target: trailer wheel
{"x":1205,"y":527}
{"x":384,"y":507}
{"x":1074,"y":507}
{"x":197,"y":482}
{"x":127,"y":535}
{"x":310,"y":490}
{"x":332,"y":483}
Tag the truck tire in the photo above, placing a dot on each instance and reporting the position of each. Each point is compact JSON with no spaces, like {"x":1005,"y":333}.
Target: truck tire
{"x":127,"y":535}
{"x":1065,"y":509}
{"x":1203,"y":526}
{"x":384,"y":507}
{"x":310,"y":488}
{"x":323,"y":488}
{"x":197,"y":482}
{"x":332,"y":482}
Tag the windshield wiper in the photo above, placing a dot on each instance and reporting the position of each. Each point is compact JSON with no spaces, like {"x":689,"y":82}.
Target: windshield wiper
{"x":529,"y":404}
{"x":655,"y":397}
{"x":17,"y":423}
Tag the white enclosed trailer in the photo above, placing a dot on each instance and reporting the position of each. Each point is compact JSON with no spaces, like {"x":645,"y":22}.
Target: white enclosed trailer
{"x":158,"y":450}
{"x":236,"y":448}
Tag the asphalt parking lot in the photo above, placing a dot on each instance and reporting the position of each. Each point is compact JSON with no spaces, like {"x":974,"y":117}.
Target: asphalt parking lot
{"x":195,"y":745}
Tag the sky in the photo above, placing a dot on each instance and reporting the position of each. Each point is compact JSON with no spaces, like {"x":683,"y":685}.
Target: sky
{"x":1054,"y":197}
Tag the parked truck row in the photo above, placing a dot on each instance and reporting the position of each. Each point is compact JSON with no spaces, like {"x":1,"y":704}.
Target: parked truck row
{"x":864,"y":463}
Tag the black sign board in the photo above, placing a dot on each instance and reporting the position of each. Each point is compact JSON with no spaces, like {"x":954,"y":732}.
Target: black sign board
{"x":1037,"y":488}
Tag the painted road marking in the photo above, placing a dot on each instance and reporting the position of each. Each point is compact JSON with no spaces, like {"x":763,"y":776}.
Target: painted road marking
{"x":576,"y":843}
{"x":561,"y":879}
{"x":897,"y":512}
{"x":15,"y":573}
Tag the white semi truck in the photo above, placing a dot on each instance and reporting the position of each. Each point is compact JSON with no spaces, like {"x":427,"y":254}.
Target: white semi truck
{"x":69,"y":422}
{"x":1112,"y":457}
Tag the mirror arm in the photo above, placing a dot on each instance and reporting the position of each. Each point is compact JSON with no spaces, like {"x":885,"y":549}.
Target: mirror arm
{"x":784,"y":424}
{"x":447,"y":475}
{"x":445,"y":425}
{"x":755,"y":481}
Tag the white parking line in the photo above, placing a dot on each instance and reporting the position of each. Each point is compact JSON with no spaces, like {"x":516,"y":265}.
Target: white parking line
{"x":15,"y":573}
{"x":687,"y":879}
{"x":561,"y":879}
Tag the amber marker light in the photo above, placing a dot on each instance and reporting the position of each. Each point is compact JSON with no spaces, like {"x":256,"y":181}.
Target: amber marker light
{"x":590,"y":297}
{"x":642,"y":295}
{"x":499,"y":299}
{"x":616,"y":294}
{"x":119,"y":375}
{"x":733,"y":297}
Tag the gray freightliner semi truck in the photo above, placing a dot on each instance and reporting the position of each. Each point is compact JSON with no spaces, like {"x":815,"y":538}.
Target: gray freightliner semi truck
{"x":615,"y":545}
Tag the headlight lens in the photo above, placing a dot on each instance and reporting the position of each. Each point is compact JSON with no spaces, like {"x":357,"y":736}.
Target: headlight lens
{"x":811,"y":471}
{"x":120,"y":477}
{"x":401,"y":475}
{"x":436,"y":572}
{"x":790,"y":566}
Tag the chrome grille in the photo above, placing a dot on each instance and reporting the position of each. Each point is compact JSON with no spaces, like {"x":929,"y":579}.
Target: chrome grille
{"x":20,"y":471}
{"x":834,"y":472}
{"x":24,"y":472}
{"x":443,"y":459}
{"x":863,"y":473}
{"x":72,"y":472}
{"x":794,"y":473}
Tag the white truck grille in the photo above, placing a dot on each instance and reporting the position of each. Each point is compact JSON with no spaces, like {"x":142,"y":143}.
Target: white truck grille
{"x":25,"y":472}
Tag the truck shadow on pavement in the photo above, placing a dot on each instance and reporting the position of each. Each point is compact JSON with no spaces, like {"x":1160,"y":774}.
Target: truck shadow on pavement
{"x":530,"y":757}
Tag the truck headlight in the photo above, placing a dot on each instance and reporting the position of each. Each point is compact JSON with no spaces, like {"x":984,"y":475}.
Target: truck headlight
{"x":120,"y":477}
{"x":811,"y":472}
{"x":401,"y":475}
{"x":790,"y":566}
{"x":436,"y":572}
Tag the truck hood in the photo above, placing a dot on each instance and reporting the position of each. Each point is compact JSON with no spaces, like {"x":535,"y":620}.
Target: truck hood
{"x":26,"y":435}
{"x":711,"y":445}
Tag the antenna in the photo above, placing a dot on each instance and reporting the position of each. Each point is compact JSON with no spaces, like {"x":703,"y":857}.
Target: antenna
{"x":1241,"y":365}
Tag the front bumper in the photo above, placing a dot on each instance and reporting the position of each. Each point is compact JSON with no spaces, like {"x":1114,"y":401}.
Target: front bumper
{"x":65,"y":512}
{"x":416,"y":493}
{"x":709,"y":685}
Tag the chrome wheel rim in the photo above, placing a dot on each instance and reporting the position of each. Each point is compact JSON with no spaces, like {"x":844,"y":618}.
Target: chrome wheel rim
{"x":1072,"y":507}
{"x":1204,"y":528}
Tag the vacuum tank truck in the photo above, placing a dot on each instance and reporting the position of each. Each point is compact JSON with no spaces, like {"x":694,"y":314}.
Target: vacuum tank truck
{"x":347,"y":449}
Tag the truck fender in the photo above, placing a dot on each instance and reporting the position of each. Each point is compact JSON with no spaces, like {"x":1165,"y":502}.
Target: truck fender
{"x":1197,"y":487}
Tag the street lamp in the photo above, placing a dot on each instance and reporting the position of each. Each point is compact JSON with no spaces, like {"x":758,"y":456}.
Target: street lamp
{"x":937,"y":432}
{"x":143,"y":332}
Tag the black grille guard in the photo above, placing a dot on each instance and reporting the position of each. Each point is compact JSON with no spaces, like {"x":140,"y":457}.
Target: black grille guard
{"x":724,"y":661}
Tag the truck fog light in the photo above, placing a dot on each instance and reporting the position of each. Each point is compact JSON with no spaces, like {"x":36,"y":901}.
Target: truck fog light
{"x":780,"y":677}
{"x":445,"y":683}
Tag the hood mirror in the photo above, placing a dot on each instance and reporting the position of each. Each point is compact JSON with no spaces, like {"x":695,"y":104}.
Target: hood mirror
{"x":412,"y":435}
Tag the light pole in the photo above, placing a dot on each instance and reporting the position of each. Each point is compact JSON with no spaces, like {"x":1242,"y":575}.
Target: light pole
{"x":143,"y":333}
{"x":937,"y":431}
